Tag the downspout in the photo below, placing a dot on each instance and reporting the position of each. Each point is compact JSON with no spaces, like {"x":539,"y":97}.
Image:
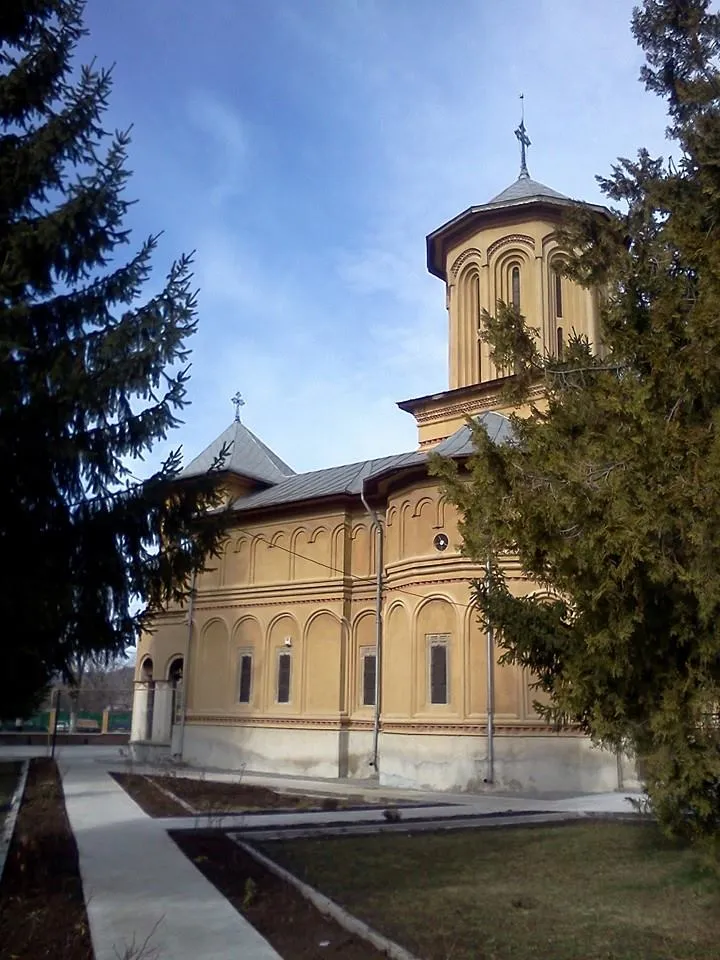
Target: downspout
{"x":490,"y":770}
{"x":186,"y":665}
{"x":376,"y":522}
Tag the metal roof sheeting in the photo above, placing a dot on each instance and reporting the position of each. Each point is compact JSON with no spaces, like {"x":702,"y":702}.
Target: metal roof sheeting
{"x":525,"y":188}
{"x":348,"y":479}
{"x":248,"y":457}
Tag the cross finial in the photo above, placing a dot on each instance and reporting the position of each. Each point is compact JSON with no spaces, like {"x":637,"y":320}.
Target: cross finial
{"x":523,"y":140}
{"x":239,"y":402}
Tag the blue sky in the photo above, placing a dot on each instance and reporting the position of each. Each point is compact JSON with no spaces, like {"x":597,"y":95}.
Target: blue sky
{"x":304,"y":148}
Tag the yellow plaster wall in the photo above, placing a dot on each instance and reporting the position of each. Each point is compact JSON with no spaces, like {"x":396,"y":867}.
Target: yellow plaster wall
{"x":479,"y":271}
{"x":319,"y":606}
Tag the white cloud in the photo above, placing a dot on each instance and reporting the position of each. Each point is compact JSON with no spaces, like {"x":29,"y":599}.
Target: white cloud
{"x":217,"y":121}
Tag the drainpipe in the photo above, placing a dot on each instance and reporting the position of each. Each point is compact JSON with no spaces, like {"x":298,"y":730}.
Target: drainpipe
{"x":490,"y":771}
{"x":186,"y":664}
{"x":376,"y":522}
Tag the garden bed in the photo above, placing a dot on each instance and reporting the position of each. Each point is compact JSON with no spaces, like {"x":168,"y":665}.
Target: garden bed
{"x":581,"y":891}
{"x":294,"y":927}
{"x":213,"y":798}
{"x":42,"y":908}
{"x":9,"y":776}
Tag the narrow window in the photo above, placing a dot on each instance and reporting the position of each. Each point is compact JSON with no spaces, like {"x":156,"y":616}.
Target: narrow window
{"x":245,"y":684}
{"x":369,"y":668}
{"x":515,"y":277}
{"x":438,"y":668}
{"x":283,"y":678}
{"x":560,"y":344}
{"x":557,"y":279}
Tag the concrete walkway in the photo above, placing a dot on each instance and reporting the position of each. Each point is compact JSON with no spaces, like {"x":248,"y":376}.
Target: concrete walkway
{"x":138,"y":884}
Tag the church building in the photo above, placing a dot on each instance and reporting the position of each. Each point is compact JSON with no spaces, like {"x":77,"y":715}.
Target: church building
{"x":336,"y":637}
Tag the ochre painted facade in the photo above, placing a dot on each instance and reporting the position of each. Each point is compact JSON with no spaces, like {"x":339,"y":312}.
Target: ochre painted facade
{"x":274,"y":653}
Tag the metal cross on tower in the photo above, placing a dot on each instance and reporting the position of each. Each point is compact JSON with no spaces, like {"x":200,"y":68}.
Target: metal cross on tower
{"x":239,"y":402}
{"x":523,"y":140}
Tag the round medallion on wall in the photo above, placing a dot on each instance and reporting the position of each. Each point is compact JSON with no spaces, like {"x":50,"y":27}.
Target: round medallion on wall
{"x":441,"y":541}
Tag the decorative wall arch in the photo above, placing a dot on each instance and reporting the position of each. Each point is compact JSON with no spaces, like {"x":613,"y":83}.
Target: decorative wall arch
{"x":312,"y":553}
{"x":238,"y":561}
{"x":211,"y":687}
{"x":324,"y":654}
{"x":398,"y":662}
{"x":418,"y":527}
{"x":338,"y":555}
{"x":271,"y":558}
{"x":420,"y":505}
{"x":513,"y":239}
{"x":429,"y":601}
{"x":473,"y":253}
{"x":362,"y":541}
{"x":468,"y":311}
{"x":284,"y":626}
{"x":502,"y":266}
{"x":436,"y":623}
{"x":241,"y":626}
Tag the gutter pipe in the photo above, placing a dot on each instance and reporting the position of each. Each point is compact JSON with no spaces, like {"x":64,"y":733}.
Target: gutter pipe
{"x":377,"y":524}
{"x":490,"y":770}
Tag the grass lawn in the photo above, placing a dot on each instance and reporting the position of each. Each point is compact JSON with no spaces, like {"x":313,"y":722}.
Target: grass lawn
{"x":591,"y":891}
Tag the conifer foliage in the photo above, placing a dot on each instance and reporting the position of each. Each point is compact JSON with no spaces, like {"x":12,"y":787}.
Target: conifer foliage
{"x":93,"y":373}
{"x":610,"y":494}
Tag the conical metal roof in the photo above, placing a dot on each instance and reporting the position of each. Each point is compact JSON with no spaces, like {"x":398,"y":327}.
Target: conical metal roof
{"x":248,"y":457}
{"x":525,"y":188}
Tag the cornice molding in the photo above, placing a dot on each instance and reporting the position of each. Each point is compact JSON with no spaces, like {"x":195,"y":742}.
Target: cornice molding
{"x":399,"y":727}
{"x":468,"y":407}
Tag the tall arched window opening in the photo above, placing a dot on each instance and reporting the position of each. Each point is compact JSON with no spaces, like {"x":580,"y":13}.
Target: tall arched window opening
{"x":560,"y":343}
{"x":175,"y":676}
{"x":515,"y":287}
{"x":146,"y":675}
{"x":557,"y":280}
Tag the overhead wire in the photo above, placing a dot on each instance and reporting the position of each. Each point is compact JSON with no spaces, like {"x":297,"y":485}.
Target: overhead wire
{"x":328,"y":566}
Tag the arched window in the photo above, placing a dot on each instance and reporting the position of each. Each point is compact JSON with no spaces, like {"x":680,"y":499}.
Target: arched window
{"x":515,"y":287}
{"x":175,"y":676}
{"x":560,"y":343}
{"x":557,"y":281}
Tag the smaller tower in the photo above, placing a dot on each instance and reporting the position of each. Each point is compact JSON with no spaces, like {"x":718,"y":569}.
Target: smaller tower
{"x":505,"y":249}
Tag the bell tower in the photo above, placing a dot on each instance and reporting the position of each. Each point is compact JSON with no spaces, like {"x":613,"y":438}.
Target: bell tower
{"x":505,"y":249}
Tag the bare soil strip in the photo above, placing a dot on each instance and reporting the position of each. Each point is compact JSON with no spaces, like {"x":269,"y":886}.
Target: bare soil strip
{"x":209,"y":797}
{"x":294,"y":927}
{"x":42,"y":907}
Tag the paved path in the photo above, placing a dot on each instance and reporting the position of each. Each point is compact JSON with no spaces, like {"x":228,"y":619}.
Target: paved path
{"x":138,"y":884}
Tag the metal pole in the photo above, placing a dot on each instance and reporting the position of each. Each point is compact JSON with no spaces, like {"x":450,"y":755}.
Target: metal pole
{"x":186,"y":665}
{"x":55,"y":725}
{"x":378,"y":632}
{"x":490,"y":772}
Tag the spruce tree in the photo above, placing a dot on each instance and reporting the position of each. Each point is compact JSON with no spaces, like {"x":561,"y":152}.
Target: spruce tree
{"x":610,"y":494}
{"x":93,"y":373}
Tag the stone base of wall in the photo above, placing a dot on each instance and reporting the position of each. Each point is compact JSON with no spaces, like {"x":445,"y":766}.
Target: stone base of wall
{"x":145,"y":751}
{"x":298,"y":752}
{"x":531,"y":764}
